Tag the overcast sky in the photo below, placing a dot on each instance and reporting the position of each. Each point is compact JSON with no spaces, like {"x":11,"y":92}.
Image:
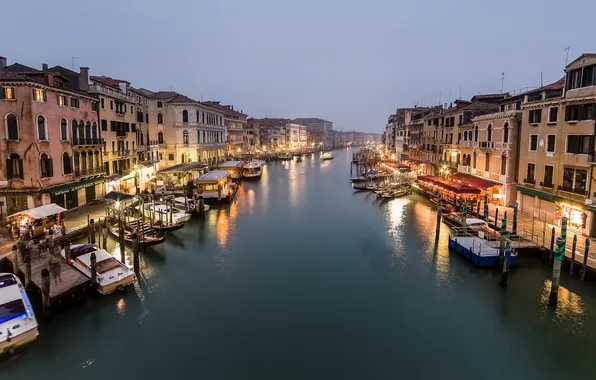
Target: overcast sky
{"x":351,"y":62}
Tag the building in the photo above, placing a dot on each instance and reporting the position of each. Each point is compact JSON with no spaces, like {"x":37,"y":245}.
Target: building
{"x":319,"y":131}
{"x":236,"y":127}
{"x":268,"y":133}
{"x":296,"y":136}
{"x":187,"y":130}
{"x":47,"y":120}
{"x":557,"y":157}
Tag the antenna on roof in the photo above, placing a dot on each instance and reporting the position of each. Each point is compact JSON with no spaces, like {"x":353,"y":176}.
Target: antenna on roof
{"x":502,"y":82}
{"x":73,"y":59}
{"x":449,"y":98}
{"x":460,"y":93}
{"x":567,"y":56}
{"x":440,"y":97}
{"x":541,"y":85}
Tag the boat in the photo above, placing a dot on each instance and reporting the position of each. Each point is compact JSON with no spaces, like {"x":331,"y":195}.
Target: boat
{"x":328,"y":156}
{"x":146,"y":235}
{"x":215,"y":187}
{"x":358,"y":179}
{"x":112,"y":274}
{"x":284,"y":157}
{"x":187,"y":204}
{"x":253,"y":169}
{"x":299,"y":159}
{"x":359,"y":186}
{"x":162,"y":212}
{"x":18,"y":325}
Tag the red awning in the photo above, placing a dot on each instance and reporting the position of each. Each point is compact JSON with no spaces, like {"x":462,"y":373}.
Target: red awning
{"x":481,"y":183}
{"x":450,"y":185}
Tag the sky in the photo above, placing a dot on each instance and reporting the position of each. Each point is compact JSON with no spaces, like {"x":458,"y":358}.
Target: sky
{"x":350,"y":62}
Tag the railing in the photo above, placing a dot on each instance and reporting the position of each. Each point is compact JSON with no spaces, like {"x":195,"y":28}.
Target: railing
{"x":87,"y":141}
{"x":547,"y":184}
{"x":88,"y":172}
{"x":487,"y":144}
{"x":463,"y":169}
{"x":121,"y":152}
{"x":154,"y":142}
{"x":99,"y":89}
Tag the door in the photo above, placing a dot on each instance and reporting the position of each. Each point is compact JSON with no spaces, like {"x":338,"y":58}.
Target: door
{"x":90,"y":193}
{"x":58,"y":199}
{"x":72,"y":199}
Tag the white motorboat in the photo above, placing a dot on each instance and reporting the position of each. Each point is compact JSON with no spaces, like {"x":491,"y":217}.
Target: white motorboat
{"x":187,"y":204}
{"x":162,"y":212}
{"x":18,"y":325}
{"x":112,"y":274}
{"x":253,"y":169}
{"x":328,"y":156}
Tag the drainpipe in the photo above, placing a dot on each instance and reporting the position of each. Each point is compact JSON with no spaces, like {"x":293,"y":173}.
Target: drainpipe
{"x":592,"y":156}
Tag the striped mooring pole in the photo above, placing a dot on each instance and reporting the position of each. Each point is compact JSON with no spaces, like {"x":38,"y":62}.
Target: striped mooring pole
{"x":486,"y":207}
{"x":558,"y":259}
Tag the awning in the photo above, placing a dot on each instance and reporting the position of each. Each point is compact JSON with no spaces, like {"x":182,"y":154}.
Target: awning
{"x":118,"y":196}
{"x":128,"y":177}
{"x":114,"y":177}
{"x":185,"y":167}
{"x":41,"y":211}
{"x":449,"y":185}
{"x":63,"y":189}
{"x":472,"y":180}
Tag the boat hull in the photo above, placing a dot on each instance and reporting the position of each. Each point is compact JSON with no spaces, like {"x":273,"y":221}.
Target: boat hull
{"x":116,"y":285}
{"x":18,"y":341}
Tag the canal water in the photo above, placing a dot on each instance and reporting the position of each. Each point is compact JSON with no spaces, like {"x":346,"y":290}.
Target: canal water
{"x":303,"y":278}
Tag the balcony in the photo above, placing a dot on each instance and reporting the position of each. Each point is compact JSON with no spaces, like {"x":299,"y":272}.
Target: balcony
{"x":486,"y":144}
{"x":100,"y":89}
{"x":463,"y":169}
{"x":547,"y":185}
{"x":121,"y":153}
{"x":78,"y":173}
{"x":80,"y":141}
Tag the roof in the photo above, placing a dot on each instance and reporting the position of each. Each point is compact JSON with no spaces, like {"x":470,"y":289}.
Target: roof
{"x":159,"y":94}
{"x":481,"y":106}
{"x":212,"y":176}
{"x":108,"y":81}
{"x":585,"y":55}
{"x":18,"y":68}
{"x":41,"y":211}
{"x":185,"y":167}
{"x":224,"y":108}
{"x":449,"y":185}
{"x":231,"y":164}
{"x":179,"y":98}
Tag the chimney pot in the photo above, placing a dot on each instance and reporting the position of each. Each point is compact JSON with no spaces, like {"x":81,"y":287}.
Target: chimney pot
{"x":44,"y":67}
{"x":84,"y":79}
{"x":2,"y":64}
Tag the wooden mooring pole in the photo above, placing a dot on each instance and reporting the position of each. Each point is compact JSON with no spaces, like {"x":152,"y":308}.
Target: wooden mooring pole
{"x":439,"y":211}
{"x":135,"y":253}
{"x":573,"y":247}
{"x":93,"y":260}
{"x":15,"y":260}
{"x":552,"y":246}
{"x":121,"y":240}
{"x":45,"y":292}
{"x":506,"y":264}
{"x":558,"y":259}
{"x":67,"y":251}
{"x":104,"y":233}
{"x":92,"y":231}
{"x":585,"y":263}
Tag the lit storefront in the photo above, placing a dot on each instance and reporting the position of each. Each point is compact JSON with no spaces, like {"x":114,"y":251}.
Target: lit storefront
{"x":576,"y":216}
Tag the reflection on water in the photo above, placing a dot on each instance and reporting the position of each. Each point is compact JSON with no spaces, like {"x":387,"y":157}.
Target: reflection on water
{"x":121,"y":307}
{"x":570,"y":311}
{"x":222,"y":227}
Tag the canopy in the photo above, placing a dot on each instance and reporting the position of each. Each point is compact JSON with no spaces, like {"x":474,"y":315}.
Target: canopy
{"x":41,"y":211}
{"x":118,"y":196}
{"x":213,"y":176}
{"x":185,"y":167}
{"x":449,"y":185}
{"x":472,"y":180}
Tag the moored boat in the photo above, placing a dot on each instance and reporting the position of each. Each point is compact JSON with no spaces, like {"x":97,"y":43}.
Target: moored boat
{"x":111,"y":273}
{"x":253,"y":169}
{"x":284,"y":156}
{"x":146,"y":236}
{"x":328,"y":156}
{"x":187,"y":204}
{"x":18,"y":325}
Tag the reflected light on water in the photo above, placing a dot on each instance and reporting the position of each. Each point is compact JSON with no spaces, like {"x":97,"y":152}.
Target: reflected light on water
{"x":264,"y":186}
{"x":222,"y":226}
{"x":121,"y":307}
{"x":570,"y":310}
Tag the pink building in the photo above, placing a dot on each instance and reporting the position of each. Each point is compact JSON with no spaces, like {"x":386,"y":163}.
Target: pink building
{"x":43,"y":116}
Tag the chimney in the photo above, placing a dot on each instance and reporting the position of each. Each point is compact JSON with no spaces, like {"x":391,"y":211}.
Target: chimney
{"x":2,"y":64}
{"x":84,"y":79}
{"x":44,"y":67}
{"x":122,"y":87}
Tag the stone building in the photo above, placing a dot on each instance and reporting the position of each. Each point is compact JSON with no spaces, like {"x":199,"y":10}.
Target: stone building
{"x":236,"y":127}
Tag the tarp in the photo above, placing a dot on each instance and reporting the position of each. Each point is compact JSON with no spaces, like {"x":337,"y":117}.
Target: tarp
{"x":41,"y":211}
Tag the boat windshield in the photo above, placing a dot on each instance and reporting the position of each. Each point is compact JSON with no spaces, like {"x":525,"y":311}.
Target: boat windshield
{"x":11,"y":310}
{"x":107,"y":265}
{"x":7,"y":280}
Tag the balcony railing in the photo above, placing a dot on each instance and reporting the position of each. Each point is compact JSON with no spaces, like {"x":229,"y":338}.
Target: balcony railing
{"x":87,"y":141}
{"x":88,"y":172}
{"x":121,"y":153}
{"x":487,"y":144}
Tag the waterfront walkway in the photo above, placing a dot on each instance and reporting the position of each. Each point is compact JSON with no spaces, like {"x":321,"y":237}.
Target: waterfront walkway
{"x":73,"y":220}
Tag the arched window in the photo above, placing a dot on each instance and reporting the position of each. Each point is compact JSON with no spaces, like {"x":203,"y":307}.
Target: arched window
{"x":506,"y":133}
{"x":97,"y":159}
{"x":88,"y":130}
{"x":160,"y":118}
{"x":503,"y":164}
{"x":141,"y":138}
{"x":458,"y":158}
{"x":185,"y":116}
{"x":94,"y":130}
{"x":66,"y":163}
{"x":45,"y":163}
{"x":185,"y":137}
{"x":12,"y":127}
{"x":476,"y":134}
{"x":489,"y":133}
{"x":14,"y":167}
{"x":76,"y":162}
{"x":41,"y":128}
{"x":63,"y":130}
{"x":159,"y":137}
{"x":81,"y":129}
{"x":74,"y":129}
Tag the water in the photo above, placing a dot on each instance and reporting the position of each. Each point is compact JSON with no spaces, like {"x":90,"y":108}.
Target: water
{"x":303,"y":278}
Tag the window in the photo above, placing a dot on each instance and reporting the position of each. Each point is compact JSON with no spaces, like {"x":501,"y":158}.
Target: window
{"x":506,"y":133}
{"x":12,"y":127}
{"x":104,"y":125}
{"x":577,"y":112}
{"x":159,"y":104}
{"x":112,"y":126}
{"x":7,"y":93}
{"x":146,"y":117}
{"x":14,"y":167}
{"x":94,"y":106}
{"x":123,"y":108}
{"x":94,"y":130}
{"x":63,"y":130}
{"x":487,"y":162}
{"x":185,"y":116}
{"x":530,"y":173}
{"x":113,"y":146}
{"x":550,"y":143}
{"x":159,"y":118}
{"x":62,"y":100}
{"x":103,"y":104}
{"x":548,"y":176}
{"x":41,"y":128}
{"x":74,"y":102}
{"x":111,"y":105}
{"x":489,"y":133}
{"x":452,"y":121}
{"x":160,"y":138}
{"x":535,"y":116}
{"x":39,"y":95}
{"x":45,"y":163}
{"x":461,"y":119}
{"x":572,"y":112}
{"x":133,"y":127}
{"x":132,"y":110}
{"x":533,"y":143}
{"x":579,"y":144}
{"x":476,"y":134}
{"x":589,"y":76}
{"x":503,"y":165}
{"x":171,"y":157}
{"x":574,"y":79}
{"x":66,"y":163}
{"x":574,"y":180}
{"x":185,"y":137}
{"x":553,"y":113}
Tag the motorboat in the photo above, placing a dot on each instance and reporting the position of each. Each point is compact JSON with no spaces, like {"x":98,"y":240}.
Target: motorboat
{"x":358,"y":179}
{"x":162,"y":212}
{"x":18,"y":325}
{"x":328,"y":156}
{"x":253,"y":169}
{"x":112,"y":274}
{"x":187,"y":204}
{"x":284,"y":157}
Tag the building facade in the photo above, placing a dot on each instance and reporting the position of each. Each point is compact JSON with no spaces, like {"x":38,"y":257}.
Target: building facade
{"x":236,"y":127}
